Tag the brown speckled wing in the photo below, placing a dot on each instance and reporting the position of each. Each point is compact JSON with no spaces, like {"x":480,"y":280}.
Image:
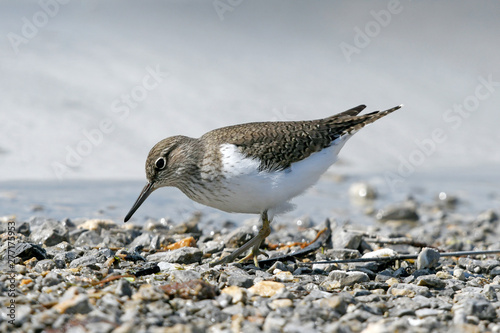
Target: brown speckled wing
{"x":279,"y":144}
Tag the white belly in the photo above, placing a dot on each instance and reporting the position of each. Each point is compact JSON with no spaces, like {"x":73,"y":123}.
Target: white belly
{"x":245,"y":189}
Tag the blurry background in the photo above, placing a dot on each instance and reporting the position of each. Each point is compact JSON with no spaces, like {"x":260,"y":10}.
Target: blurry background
{"x":88,"y":87}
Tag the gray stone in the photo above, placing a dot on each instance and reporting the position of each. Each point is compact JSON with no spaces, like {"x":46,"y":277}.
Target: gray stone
{"x":224,"y":300}
{"x":185,"y":275}
{"x":23,"y":314}
{"x":188,"y":227}
{"x":299,"y":326}
{"x":480,"y":308}
{"x":156,"y":242}
{"x":405,"y":288}
{"x":459,"y":317}
{"x":100,"y":327}
{"x":489,"y":291}
{"x":402,"y":311}
{"x":334,"y":303}
{"x":45,"y":265}
{"x":238,"y":308}
{"x":211,"y":247}
{"x":60,"y":263}
{"x":45,"y":298}
{"x":495,"y":271}
{"x":274,"y":323}
{"x":115,"y":237}
{"x":74,"y":234}
{"x":488,"y":216}
{"x":406,"y":211}
{"x":64,"y":246}
{"x":83,"y":261}
{"x":342,"y":253}
{"x":428,"y":258}
{"x":79,"y":304}
{"x":27,"y":251}
{"x":67,"y":256}
{"x":88,"y":238}
{"x":234,"y":276}
{"x":430,"y":281}
{"x":24,"y":228}
{"x":317,"y":268}
{"x":421,"y":272}
{"x":49,"y":233}
{"x":347,"y":278}
{"x":51,"y":279}
{"x":316,"y":294}
{"x":238,"y":237}
{"x":123,"y":288}
{"x":423,"y":313}
{"x":346,"y":240}
{"x":459,"y":274}
{"x":336,"y":327}
{"x":184,"y":255}
{"x":143,"y":240}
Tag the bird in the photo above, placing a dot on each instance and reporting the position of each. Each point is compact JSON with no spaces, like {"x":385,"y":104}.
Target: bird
{"x":253,"y":168}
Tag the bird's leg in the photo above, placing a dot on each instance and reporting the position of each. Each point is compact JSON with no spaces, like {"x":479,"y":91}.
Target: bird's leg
{"x":253,"y":245}
{"x":257,"y":241}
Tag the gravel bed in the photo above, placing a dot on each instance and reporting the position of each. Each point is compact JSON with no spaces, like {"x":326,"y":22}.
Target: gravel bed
{"x":94,"y":275}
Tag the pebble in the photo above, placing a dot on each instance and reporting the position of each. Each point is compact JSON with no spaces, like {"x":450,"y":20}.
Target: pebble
{"x":73,"y":303}
{"x":340,"y":279}
{"x":88,"y":238}
{"x":480,"y":308}
{"x":427,"y":258}
{"x":99,"y":276}
{"x":235,"y":276}
{"x":50,"y":232}
{"x":266,"y":288}
{"x":346,"y":240}
{"x":237,"y":294}
{"x":284,"y":276}
{"x":184,"y":255}
{"x":335,"y":303}
{"x":430,"y":281}
{"x":97,"y":224}
{"x":280,"y":303}
{"x":45,"y":265}
{"x":84,"y":262}
{"x":123,"y":288}
{"x":380,"y":253}
{"x":28,"y":250}
{"x":405,"y":211}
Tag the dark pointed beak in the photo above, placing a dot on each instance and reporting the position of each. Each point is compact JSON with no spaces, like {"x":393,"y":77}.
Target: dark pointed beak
{"x":146,"y":191}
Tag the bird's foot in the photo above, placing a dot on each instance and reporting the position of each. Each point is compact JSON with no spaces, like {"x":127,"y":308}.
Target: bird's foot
{"x":253,"y":255}
{"x":253,"y":245}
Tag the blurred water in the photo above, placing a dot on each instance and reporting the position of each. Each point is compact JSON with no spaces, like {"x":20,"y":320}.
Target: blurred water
{"x":328,"y":199}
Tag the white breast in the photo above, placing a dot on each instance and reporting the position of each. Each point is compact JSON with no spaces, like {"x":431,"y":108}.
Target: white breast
{"x":245,"y":189}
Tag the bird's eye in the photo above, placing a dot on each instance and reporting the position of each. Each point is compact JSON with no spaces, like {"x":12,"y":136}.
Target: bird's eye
{"x":160,"y":163}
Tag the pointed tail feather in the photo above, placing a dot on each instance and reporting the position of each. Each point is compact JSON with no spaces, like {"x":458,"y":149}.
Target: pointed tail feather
{"x":348,"y":122}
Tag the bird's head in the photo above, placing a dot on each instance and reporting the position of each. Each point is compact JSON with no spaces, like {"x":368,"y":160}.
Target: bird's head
{"x":166,"y":165}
